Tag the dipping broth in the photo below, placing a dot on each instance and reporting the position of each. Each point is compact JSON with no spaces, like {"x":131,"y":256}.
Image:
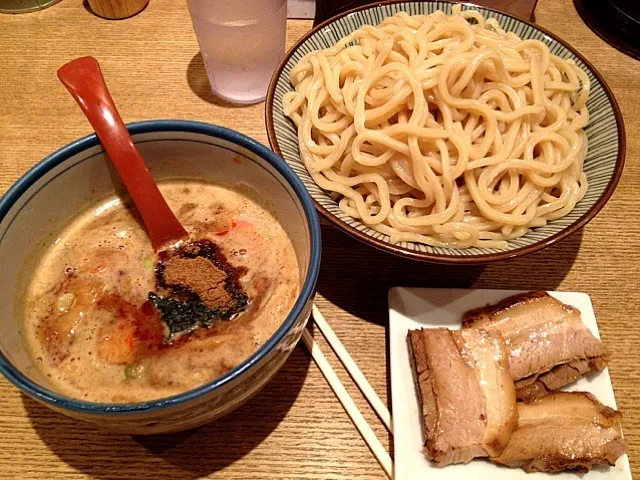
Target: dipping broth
{"x":88,"y":319}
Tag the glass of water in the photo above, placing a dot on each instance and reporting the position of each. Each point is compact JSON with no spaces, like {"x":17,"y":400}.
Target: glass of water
{"x":241,"y":42}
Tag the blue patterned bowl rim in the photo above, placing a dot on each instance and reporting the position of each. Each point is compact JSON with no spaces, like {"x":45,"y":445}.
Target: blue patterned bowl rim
{"x":308,"y":289}
{"x":444,"y":255}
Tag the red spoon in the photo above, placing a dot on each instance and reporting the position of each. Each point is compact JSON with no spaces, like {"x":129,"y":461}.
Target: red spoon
{"x":85,"y":82}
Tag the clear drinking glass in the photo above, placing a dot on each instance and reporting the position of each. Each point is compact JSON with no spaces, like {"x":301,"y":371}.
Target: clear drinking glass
{"x":241,"y":42}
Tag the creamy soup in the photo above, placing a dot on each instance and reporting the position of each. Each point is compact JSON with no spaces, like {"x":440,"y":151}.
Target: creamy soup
{"x":92,"y":328}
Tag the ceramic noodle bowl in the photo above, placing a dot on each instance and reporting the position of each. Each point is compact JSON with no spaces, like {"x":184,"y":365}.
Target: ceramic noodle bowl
{"x":603,"y":164}
{"x":78,"y":176}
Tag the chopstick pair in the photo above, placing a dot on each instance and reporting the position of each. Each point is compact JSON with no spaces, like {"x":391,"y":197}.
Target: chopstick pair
{"x":384,"y":459}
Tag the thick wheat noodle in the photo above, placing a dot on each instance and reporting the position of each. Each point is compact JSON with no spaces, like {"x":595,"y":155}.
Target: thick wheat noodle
{"x":443,"y":129}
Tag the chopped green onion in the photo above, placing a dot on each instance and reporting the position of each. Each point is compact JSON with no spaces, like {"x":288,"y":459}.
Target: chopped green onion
{"x":147,"y":263}
{"x":133,"y":371}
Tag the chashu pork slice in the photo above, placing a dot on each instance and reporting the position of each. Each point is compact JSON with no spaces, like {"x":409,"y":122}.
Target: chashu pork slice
{"x":564,"y":431}
{"x":466,"y":393}
{"x":549,"y":346}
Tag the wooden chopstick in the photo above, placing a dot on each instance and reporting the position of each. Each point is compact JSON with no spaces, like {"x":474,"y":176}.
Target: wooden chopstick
{"x":347,"y":403}
{"x":352,"y":367}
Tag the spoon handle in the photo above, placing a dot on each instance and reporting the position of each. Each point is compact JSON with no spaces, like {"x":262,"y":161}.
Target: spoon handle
{"x":85,"y":82}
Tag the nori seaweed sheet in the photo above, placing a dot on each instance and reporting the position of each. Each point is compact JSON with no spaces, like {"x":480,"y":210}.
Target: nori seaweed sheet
{"x":188,"y":315}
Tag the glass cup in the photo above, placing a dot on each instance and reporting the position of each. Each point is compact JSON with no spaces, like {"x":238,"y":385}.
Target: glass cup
{"x":241,"y":42}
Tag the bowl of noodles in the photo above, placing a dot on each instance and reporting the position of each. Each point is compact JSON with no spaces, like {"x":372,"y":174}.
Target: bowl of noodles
{"x":445,"y":132}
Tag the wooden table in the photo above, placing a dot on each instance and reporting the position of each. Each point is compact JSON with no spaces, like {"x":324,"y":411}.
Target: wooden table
{"x":296,"y":428}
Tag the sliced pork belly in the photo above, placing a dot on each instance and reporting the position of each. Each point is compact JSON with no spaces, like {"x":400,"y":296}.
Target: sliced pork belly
{"x":466,"y":393}
{"x":549,"y":346}
{"x":564,"y":431}
{"x":537,"y":386}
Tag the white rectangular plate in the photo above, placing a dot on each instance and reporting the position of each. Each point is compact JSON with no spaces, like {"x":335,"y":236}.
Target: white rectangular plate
{"x":413,"y":308}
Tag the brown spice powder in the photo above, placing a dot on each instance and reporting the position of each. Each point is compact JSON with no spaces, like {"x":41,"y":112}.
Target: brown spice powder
{"x":202,"y":277}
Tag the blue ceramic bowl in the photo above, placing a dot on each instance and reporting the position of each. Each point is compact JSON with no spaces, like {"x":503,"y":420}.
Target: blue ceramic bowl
{"x":78,"y":175}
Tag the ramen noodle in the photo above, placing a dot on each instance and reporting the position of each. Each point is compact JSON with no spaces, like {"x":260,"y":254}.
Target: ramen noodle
{"x":443,"y":129}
